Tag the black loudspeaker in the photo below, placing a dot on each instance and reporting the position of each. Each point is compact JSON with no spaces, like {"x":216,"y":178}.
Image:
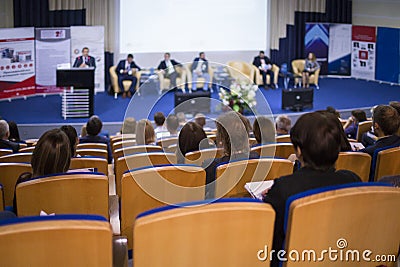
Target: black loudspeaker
{"x":195,"y":102}
{"x":297,"y":99}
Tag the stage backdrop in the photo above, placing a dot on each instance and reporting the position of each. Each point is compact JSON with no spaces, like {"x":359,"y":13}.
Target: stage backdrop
{"x":53,"y":47}
{"x":339,"y":49}
{"x":93,"y":38}
{"x":17,"y":62}
{"x":316,"y":41}
{"x":388,"y":55}
{"x":363,"y":52}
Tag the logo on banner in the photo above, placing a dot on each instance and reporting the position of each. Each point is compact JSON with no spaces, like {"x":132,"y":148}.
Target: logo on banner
{"x":52,"y":34}
{"x":363,"y":55}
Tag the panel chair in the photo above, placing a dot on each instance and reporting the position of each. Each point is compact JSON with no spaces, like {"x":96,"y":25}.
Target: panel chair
{"x":61,"y":240}
{"x":99,"y":164}
{"x":165,"y":83}
{"x":153,"y":187}
{"x":363,"y":127}
{"x":200,"y":80}
{"x":283,"y":138}
{"x":9,"y":174}
{"x":100,"y":153}
{"x":279,"y":150}
{"x":92,"y":146}
{"x":28,"y":149}
{"x":357,"y":162}
{"x":231,"y":177}
{"x":68,"y":193}
{"x":198,"y":157}
{"x":345,"y":218}
{"x":5,"y":152}
{"x":17,"y":158}
{"x":387,"y":163}
{"x":127,"y":84}
{"x":240,"y":70}
{"x":124,"y":143}
{"x":297,"y":69}
{"x":140,"y":160}
{"x":201,"y":234}
{"x":258,"y":77}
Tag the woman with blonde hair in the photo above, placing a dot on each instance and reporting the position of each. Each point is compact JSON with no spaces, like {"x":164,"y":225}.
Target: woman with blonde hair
{"x":310,"y":67}
{"x":145,"y":134}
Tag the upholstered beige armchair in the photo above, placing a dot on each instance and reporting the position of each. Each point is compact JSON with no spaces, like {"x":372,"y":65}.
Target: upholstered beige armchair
{"x":200,"y":80}
{"x":127,"y":84}
{"x":165,"y":83}
{"x":258,"y":78}
{"x":240,"y":69}
{"x":297,"y":69}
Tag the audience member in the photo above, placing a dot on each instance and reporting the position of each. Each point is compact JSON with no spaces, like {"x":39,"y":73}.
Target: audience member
{"x":351,"y":126}
{"x":263,"y":130}
{"x":172,"y":125}
{"x":190,"y":139}
{"x":369,"y":138}
{"x":14,"y":133}
{"x":200,"y":119}
{"x":386,"y":123}
{"x":128,"y":126}
{"x":264,"y":65}
{"x":83,"y":131}
{"x":126,"y":71}
{"x":4,"y":134}
{"x":332,"y":110}
{"x":396,"y":106}
{"x":168,"y":69}
{"x":234,"y":138}
{"x":145,"y":134}
{"x":283,"y":125}
{"x":316,"y":138}
{"x":246,"y":123}
{"x":310,"y":67}
{"x":72,"y":137}
{"x":160,"y":129}
{"x":182,"y":119}
{"x":200,"y":69}
{"x":93,"y":128}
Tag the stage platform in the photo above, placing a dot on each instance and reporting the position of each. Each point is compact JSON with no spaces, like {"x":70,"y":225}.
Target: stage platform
{"x":37,"y":113}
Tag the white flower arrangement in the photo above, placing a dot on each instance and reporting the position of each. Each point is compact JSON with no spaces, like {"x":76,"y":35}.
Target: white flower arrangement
{"x":240,"y":96}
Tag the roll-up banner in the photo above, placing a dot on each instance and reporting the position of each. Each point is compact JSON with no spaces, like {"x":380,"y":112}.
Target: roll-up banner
{"x":363,"y":53}
{"x":339,"y":56}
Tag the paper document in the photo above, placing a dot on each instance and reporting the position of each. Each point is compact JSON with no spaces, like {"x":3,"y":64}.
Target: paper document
{"x":256,"y":188}
{"x":355,"y":146}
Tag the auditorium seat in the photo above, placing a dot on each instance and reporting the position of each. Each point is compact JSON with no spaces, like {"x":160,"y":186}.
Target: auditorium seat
{"x":119,"y":138}
{"x":127,"y":84}
{"x":61,"y":240}
{"x":92,"y":146}
{"x":5,"y":152}
{"x":278,"y":150}
{"x":357,"y":162}
{"x":165,"y":83}
{"x":198,"y":157}
{"x":222,"y":233}
{"x":351,"y":217}
{"x":126,"y":151}
{"x":28,"y":149}
{"x":9,"y":174}
{"x":297,"y":69}
{"x":252,"y":141}
{"x":283,"y":138}
{"x":125,"y":143}
{"x":77,"y":193}
{"x":154,"y":187}
{"x":231,"y":177}
{"x":99,"y":164}
{"x":200,"y":80}
{"x":17,"y":158}
{"x":363,"y":127}
{"x":31,"y":142}
{"x":387,"y":163}
{"x":2,"y":204}
{"x":258,"y":77}
{"x":167,"y":141}
{"x":124,"y":164}
{"x":241,"y":71}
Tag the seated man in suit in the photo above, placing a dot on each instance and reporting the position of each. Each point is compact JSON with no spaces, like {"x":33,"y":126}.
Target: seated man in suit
{"x":126,"y":71}
{"x":264,"y":64}
{"x":168,"y":68}
{"x":93,"y":128}
{"x":200,"y":69}
{"x":85,"y":61}
{"x":4,"y":134}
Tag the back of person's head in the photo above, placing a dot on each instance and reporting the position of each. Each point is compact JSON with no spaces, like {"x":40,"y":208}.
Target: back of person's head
{"x":94,"y":125}
{"x":318,"y":136}
{"x":4,"y":129}
{"x":344,"y":141}
{"x":264,"y":130}
{"x":129,"y":126}
{"x":14,"y":133}
{"x":283,"y":124}
{"x":52,"y":154}
{"x":72,"y":137}
{"x":172,"y":123}
{"x":395,"y":105}
{"x":246,"y":122}
{"x":83,"y":131}
{"x":387,"y":119}
{"x":145,"y":132}
{"x":200,"y":119}
{"x":332,"y":110}
{"x":359,"y":115}
{"x":232,"y":133}
{"x":190,"y":137}
{"x":159,"y":118}
{"x":181,"y":118}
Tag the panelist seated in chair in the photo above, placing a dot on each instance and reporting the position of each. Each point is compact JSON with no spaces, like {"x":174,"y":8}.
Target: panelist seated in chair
{"x":126,"y":71}
{"x":200,"y":69}
{"x":85,"y":61}
{"x":310,"y":67}
{"x":264,"y":64}
{"x":169,"y":70}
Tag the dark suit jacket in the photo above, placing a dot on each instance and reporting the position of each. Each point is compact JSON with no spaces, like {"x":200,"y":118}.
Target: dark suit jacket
{"x":392,"y":140}
{"x":5,"y":144}
{"x":79,"y":60}
{"x":163,"y":65}
{"x":300,"y":181}
{"x":98,"y":139}
{"x":196,"y":62}
{"x":257,"y":61}
{"x":121,"y":66}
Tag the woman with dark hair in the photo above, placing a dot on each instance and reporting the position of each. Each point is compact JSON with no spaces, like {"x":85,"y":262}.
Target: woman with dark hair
{"x":351,"y":126}
{"x":72,"y":137}
{"x":189,"y":140}
{"x":317,"y":140}
{"x":264,"y":130}
{"x":145,"y":134}
{"x":14,"y":132}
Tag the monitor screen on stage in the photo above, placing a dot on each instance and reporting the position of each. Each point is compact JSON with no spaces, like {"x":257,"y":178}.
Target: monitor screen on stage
{"x":191,"y":25}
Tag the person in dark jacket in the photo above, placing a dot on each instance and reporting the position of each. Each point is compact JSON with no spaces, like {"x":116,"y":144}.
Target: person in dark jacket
{"x":126,"y":71}
{"x":4,"y":134}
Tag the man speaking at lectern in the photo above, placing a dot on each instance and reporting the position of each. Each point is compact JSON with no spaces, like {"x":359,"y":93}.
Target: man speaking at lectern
{"x":85,"y":60}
